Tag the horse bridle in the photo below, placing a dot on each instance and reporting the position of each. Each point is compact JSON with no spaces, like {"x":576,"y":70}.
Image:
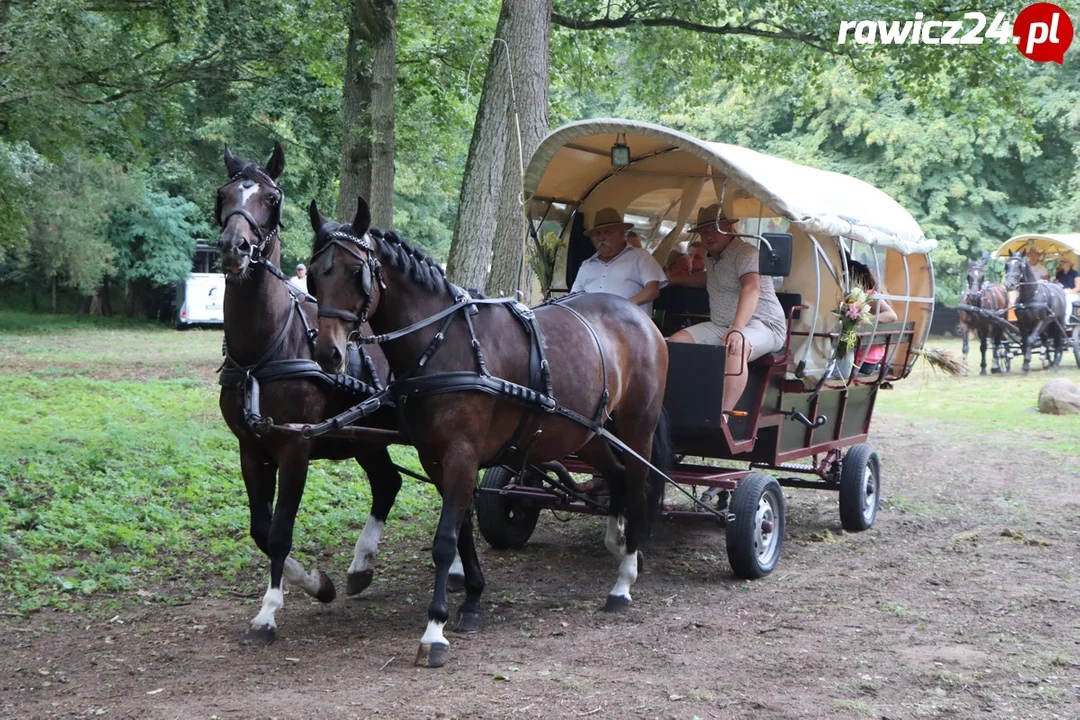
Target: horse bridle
{"x":263,"y":237}
{"x":370,"y":271}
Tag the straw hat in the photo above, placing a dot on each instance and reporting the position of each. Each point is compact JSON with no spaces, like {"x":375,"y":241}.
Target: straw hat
{"x":608,"y":217}
{"x":707,"y":217}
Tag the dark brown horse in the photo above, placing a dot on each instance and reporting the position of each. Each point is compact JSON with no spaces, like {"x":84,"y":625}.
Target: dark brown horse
{"x":265,"y":325}
{"x":606,"y":361}
{"x":990,"y":301}
{"x":1039,"y":307}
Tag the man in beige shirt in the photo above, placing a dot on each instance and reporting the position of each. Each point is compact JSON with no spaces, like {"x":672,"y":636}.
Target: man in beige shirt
{"x":745,"y":314}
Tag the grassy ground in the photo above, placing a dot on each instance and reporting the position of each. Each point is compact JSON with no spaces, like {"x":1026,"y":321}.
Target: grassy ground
{"x":116,"y":468}
{"x":1001,"y":409}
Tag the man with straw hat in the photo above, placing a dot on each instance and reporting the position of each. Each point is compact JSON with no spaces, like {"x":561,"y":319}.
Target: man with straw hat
{"x":744,"y":312}
{"x":617,"y":267}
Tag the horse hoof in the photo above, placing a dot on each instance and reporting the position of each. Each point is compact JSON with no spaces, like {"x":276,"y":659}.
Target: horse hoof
{"x":468,"y":623}
{"x":260,"y":636}
{"x":327,"y":591}
{"x":616,"y":603}
{"x":432,"y":655}
{"x":455,"y":583}
{"x":983,"y":371}
{"x":357,"y":582}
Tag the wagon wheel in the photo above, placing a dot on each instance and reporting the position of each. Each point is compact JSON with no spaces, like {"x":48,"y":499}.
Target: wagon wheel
{"x":1003,"y":357}
{"x":1076,"y":344}
{"x":506,"y":523}
{"x":860,"y":488}
{"x":755,"y":537}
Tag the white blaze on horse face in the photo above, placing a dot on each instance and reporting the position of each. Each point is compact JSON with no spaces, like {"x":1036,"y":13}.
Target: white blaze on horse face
{"x":295,"y":573}
{"x":456,"y":568}
{"x":615,"y":539}
{"x":433,"y":635}
{"x":366,"y":545}
{"x":246,"y":193}
{"x":627,"y":575}
{"x":273,"y":601}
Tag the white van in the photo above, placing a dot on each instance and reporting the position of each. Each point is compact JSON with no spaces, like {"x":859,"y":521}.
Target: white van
{"x":200,"y":300}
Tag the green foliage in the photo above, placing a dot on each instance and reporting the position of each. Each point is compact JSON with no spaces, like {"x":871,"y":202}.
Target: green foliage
{"x":114,"y":118}
{"x":154,"y":238}
{"x":18,"y":165}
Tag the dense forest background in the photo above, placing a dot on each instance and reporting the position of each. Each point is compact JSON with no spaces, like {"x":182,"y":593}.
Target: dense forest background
{"x":113,"y":115}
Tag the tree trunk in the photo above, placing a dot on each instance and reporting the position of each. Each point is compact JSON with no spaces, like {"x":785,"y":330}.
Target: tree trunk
{"x":356,"y":116}
{"x":381,"y":19}
{"x":470,"y":249}
{"x":54,"y":295}
{"x":529,"y":35}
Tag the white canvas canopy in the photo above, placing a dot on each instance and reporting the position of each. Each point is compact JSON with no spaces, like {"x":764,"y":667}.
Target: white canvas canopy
{"x":571,"y":161}
{"x":671,"y":175}
{"x":1053,"y":247}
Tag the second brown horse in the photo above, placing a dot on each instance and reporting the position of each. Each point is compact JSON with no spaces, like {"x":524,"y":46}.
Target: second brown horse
{"x":606,"y":359}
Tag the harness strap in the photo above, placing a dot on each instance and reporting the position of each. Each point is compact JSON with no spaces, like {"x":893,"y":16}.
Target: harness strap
{"x":601,"y":409}
{"x":432,"y":319}
{"x":477,"y":350}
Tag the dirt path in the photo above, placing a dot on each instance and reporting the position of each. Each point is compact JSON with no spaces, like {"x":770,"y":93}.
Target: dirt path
{"x":961,"y":602}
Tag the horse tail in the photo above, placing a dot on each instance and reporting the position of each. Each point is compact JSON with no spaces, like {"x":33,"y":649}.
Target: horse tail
{"x":663,"y":459}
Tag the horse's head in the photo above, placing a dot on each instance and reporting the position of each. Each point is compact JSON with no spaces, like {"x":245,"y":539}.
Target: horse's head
{"x":976,"y":275}
{"x":345,"y":275}
{"x":1015,"y":269}
{"x":248,"y":210}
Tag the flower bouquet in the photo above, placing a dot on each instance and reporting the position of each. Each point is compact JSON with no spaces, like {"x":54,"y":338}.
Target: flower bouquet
{"x":542,"y":260}
{"x":853,"y":310}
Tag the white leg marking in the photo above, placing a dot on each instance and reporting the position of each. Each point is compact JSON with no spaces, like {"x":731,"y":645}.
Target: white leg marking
{"x":434,"y":634}
{"x":456,"y":568}
{"x":273,"y":601}
{"x":366,"y":545}
{"x":297,"y":575}
{"x":627,"y":575}
{"x":615,"y":539}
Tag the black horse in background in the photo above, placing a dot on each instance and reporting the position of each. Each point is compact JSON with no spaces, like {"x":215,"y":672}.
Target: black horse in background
{"x":268,"y":325}
{"x":1039,"y":307}
{"x":976,"y":278}
{"x":991,"y":303}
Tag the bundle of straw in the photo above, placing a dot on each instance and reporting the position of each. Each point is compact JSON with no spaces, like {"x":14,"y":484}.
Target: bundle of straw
{"x":945,"y":361}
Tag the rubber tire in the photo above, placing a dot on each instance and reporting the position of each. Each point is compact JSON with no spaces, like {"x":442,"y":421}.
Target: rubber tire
{"x":1076,"y":344}
{"x":852,"y":474}
{"x":505,"y":524}
{"x":742,"y":555}
{"x":1003,"y":361}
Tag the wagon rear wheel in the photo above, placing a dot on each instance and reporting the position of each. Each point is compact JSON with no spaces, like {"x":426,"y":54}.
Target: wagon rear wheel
{"x":1076,"y":344}
{"x":860,"y":488}
{"x":755,"y":537}
{"x":505,"y":522}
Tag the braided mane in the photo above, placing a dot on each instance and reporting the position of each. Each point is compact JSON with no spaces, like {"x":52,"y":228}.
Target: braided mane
{"x":414,"y":262}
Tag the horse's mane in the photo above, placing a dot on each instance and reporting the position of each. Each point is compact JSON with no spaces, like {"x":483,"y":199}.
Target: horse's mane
{"x":414,"y":262}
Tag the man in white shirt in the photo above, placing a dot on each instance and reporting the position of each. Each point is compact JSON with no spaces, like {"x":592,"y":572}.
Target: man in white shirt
{"x":742,"y":303}
{"x":1034,"y":258}
{"x":300,"y":280}
{"x":617,"y":267}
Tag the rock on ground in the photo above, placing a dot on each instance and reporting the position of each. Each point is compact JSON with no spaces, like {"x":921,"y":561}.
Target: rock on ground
{"x":1059,"y":397}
